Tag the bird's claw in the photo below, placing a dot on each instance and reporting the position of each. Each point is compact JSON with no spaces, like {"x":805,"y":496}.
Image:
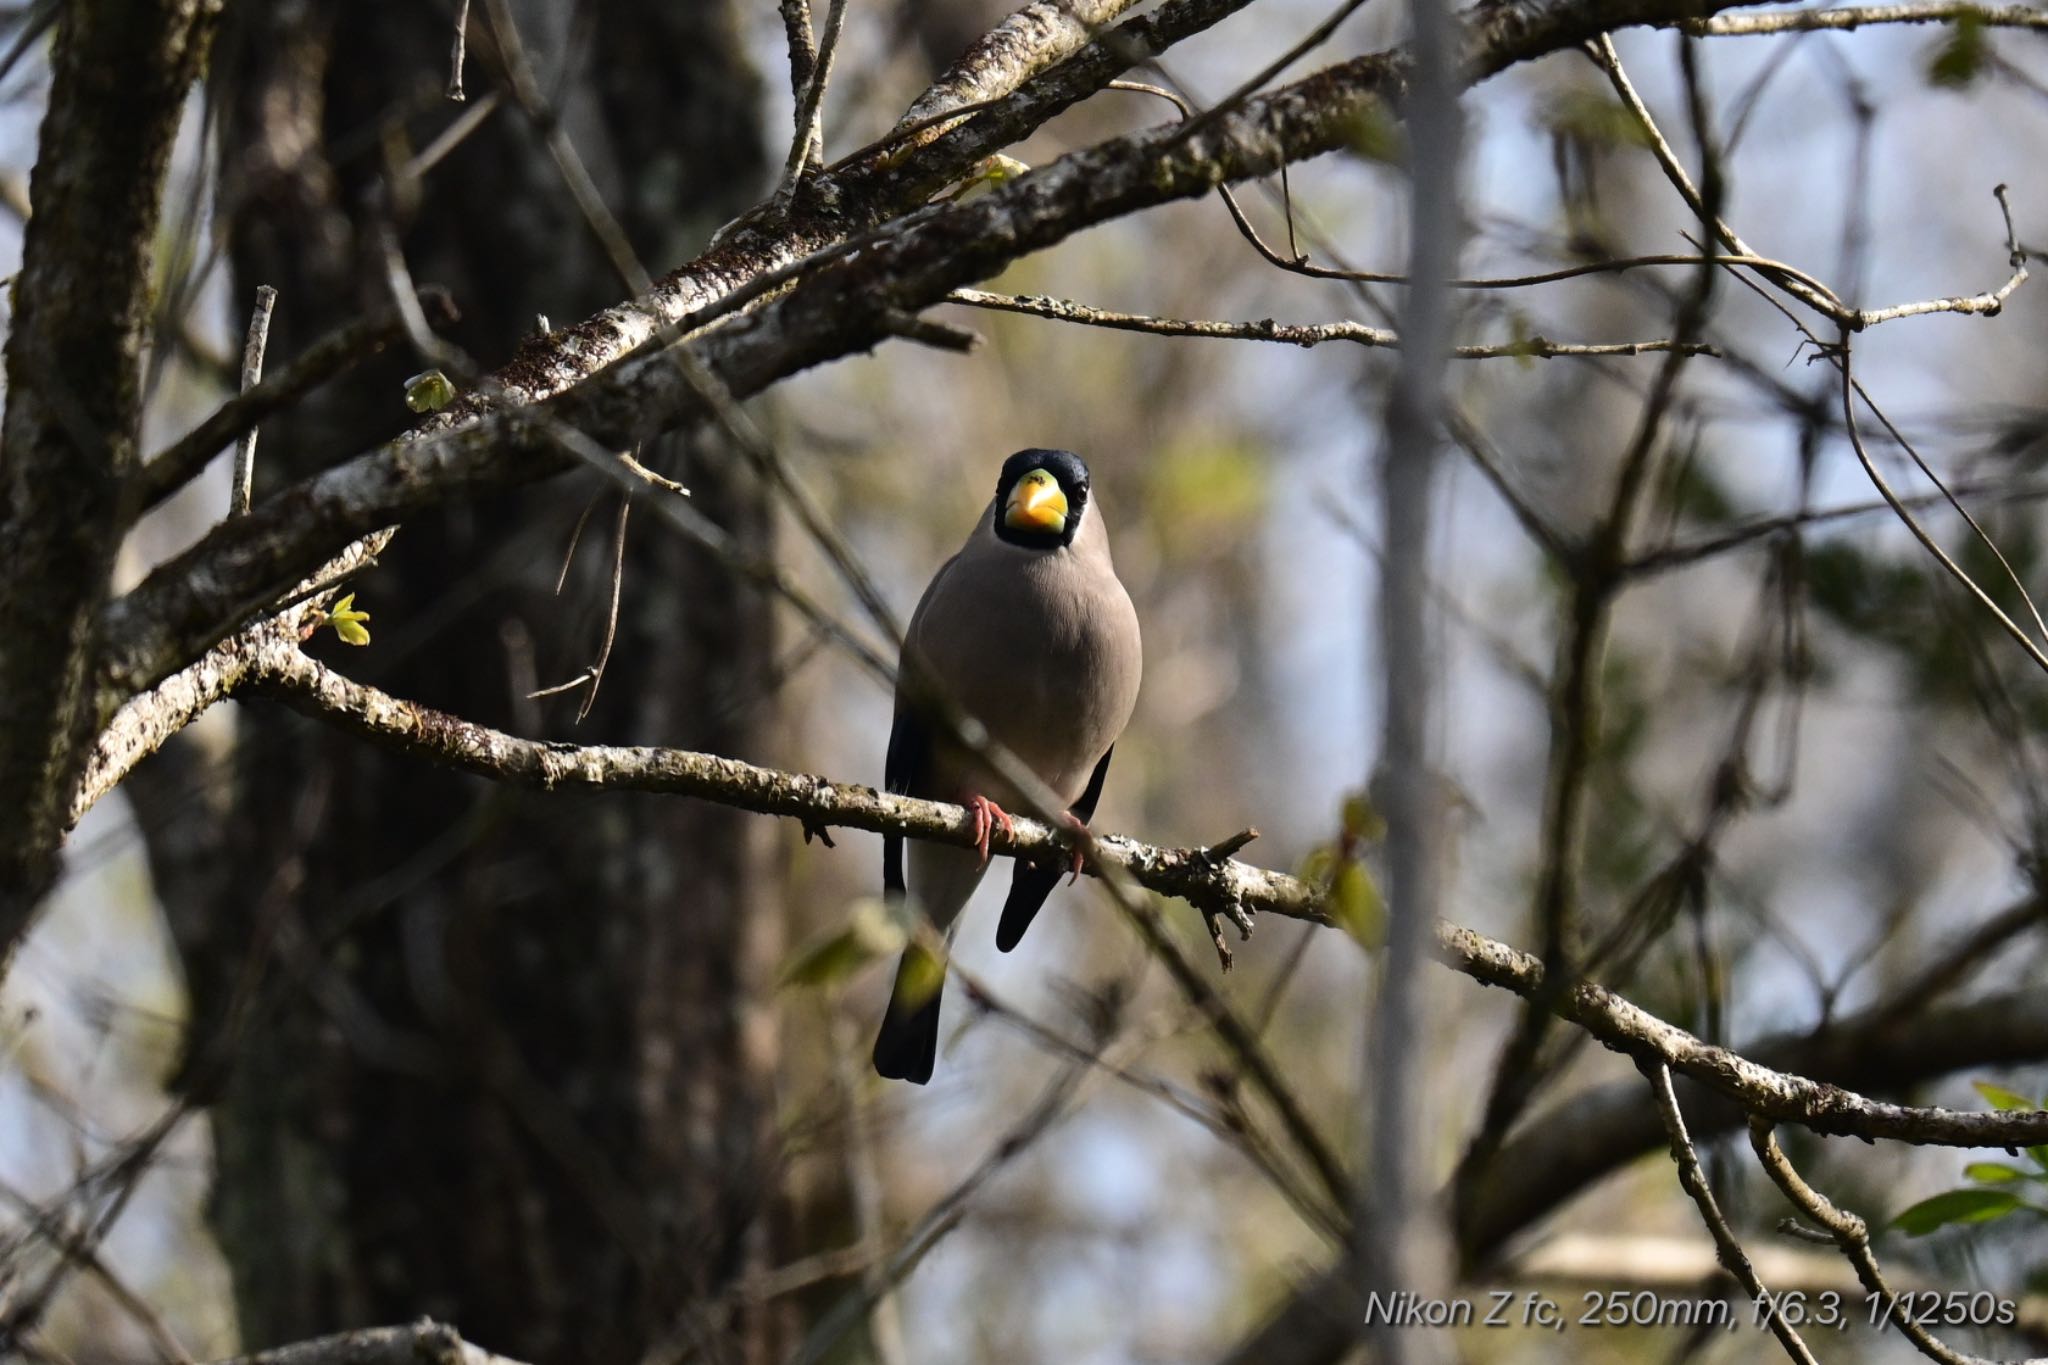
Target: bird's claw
{"x":1079,"y":826}
{"x":987,"y":815}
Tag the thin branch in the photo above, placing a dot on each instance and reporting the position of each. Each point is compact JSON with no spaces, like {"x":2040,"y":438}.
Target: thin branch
{"x":425,"y":1342}
{"x":1312,"y":40}
{"x":1727,"y":1249}
{"x":1303,"y":334}
{"x":611,"y":620}
{"x":76,"y":1248}
{"x":1856,"y":16}
{"x":1683,"y":553}
{"x":807,"y":147}
{"x":459,"y":53}
{"x":1799,"y":285}
{"x":1796,"y":283}
{"x":332,"y":355}
{"x":1852,"y":1235}
{"x":252,"y":375}
{"x":802,"y":39}
{"x":597,"y":216}
{"x":454,"y":135}
{"x":1920,"y":533}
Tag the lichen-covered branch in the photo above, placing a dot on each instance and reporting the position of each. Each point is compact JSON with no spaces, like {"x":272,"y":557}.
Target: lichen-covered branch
{"x":1202,"y":877}
{"x":845,"y":298}
{"x":425,"y":1342}
{"x":1033,"y":38}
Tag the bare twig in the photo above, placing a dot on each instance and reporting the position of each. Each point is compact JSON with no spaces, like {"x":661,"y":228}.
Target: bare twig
{"x":425,"y":1342}
{"x":1303,"y":334}
{"x":611,"y":620}
{"x":603,"y":225}
{"x":252,"y":374}
{"x":1920,"y":532}
{"x":53,"y":1229}
{"x":332,"y":355}
{"x":1314,"y":39}
{"x":459,"y":54}
{"x":454,"y":135}
{"x":1727,"y":1249}
{"x":807,"y":147}
{"x":803,"y":44}
{"x":1853,"y":1237}
{"x":1856,"y":16}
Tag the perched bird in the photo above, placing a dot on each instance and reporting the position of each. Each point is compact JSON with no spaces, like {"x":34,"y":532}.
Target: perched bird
{"x":1028,"y":631}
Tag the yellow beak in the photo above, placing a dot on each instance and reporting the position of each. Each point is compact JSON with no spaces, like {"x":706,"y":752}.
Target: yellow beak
{"x":1036,"y":503}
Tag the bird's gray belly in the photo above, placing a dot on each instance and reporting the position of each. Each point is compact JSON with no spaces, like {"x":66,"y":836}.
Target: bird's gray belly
{"x":1043,"y":691}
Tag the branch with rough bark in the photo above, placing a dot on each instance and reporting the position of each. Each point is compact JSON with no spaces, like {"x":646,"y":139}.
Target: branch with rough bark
{"x":425,"y":1342}
{"x":80,"y":305}
{"x":271,"y":663}
{"x":853,"y":282}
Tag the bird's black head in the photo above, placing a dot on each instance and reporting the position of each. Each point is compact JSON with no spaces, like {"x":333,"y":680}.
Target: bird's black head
{"x":1041,"y":496}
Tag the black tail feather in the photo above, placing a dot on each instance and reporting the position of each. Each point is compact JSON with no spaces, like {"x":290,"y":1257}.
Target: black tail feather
{"x":1030,"y":884}
{"x":908,"y":1043}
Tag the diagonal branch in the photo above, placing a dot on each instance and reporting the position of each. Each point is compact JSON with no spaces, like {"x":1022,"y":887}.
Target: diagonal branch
{"x":1035,"y":37}
{"x":1727,"y":1249}
{"x":846,"y":298}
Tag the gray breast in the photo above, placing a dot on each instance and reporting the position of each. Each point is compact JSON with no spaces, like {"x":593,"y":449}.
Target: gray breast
{"x":1041,"y":646}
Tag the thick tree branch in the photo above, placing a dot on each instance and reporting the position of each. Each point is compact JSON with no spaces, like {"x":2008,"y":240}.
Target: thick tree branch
{"x":844,"y":302}
{"x":1199,"y":876}
{"x":80,"y":307}
{"x":1035,"y":37}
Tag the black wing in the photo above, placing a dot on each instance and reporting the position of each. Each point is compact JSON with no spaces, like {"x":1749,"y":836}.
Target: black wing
{"x":1031,"y":883}
{"x":910,"y":749}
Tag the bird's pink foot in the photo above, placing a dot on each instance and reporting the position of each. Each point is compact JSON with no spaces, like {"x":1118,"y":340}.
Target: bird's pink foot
{"x":987,"y":815}
{"x":1079,"y":826}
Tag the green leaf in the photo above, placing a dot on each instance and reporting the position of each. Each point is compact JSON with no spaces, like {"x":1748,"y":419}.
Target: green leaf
{"x":1355,"y":902}
{"x":1362,"y":820}
{"x":870,"y":932}
{"x":429,"y":391}
{"x":1993,"y":1172}
{"x":1591,"y":117}
{"x":1359,"y":908}
{"x":1376,"y":134}
{"x":2006,"y":1101}
{"x":348,"y":622}
{"x":987,"y":174}
{"x":1955,"y":1206}
{"x":924,"y":971}
{"x":1960,"y":58}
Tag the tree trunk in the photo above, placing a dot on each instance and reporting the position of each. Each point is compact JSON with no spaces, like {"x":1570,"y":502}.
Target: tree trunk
{"x":506,"y":1061}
